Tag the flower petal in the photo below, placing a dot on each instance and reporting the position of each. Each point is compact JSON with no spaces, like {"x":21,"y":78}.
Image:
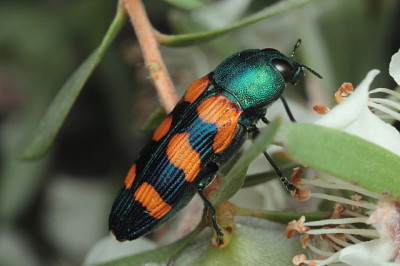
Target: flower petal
{"x":375,"y":252}
{"x":353,"y":116}
{"x":347,"y":112}
{"x":394,"y":67}
{"x":109,"y":249}
{"x":369,"y":127}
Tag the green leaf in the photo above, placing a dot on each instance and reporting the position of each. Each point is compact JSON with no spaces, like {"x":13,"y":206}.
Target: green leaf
{"x":194,"y":38}
{"x":55,"y":115}
{"x":158,"y":255}
{"x":234,"y":180}
{"x":252,"y":243}
{"x":186,"y":4}
{"x":343,"y":155}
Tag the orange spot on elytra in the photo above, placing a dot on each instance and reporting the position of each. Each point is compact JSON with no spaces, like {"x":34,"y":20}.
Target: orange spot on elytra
{"x":181,"y":154}
{"x":130,"y":177}
{"x":148,"y":196}
{"x":195,"y":89}
{"x":163,"y":128}
{"x":222,"y":112}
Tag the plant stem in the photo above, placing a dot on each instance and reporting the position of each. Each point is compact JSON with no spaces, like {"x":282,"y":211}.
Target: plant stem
{"x":279,"y":216}
{"x":151,"y":53}
{"x":199,"y":37}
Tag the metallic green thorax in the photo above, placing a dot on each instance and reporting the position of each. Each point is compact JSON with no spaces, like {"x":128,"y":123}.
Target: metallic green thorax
{"x":255,"y":77}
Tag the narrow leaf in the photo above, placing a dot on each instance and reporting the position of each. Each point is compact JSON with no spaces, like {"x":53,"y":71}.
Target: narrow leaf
{"x":186,"y":4}
{"x":48,"y":127}
{"x":158,"y":255}
{"x":343,"y":155}
{"x":194,"y":38}
{"x":234,"y":180}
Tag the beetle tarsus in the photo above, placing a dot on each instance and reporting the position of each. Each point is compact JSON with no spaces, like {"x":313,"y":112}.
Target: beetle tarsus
{"x":286,"y":183}
{"x":211,"y":210}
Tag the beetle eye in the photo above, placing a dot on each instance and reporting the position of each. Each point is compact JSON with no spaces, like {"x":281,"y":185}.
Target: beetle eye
{"x":286,"y":69}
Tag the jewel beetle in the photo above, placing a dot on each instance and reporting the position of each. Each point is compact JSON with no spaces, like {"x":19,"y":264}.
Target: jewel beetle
{"x":207,"y":126}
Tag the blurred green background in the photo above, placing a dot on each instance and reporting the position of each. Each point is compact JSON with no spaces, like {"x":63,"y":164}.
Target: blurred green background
{"x":54,"y":209}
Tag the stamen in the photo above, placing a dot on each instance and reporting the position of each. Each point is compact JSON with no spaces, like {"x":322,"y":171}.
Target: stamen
{"x":339,"y":241}
{"x":387,"y":102}
{"x":331,"y":260}
{"x":334,"y":246}
{"x":343,"y":186}
{"x":365,"y":205}
{"x":336,"y":221}
{"x":305,"y":240}
{"x":386,"y":110}
{"x":320,"y":251}
{"x":355,"y":197}
{"x":302,"y":194}
{"x":383,"y":116}
{"x":321,"y":109}
{"x":363,"y":232}
{"x":343,"y":91}
{"x":353,"y":239}
{"x":384,"y":90}
{"x":299,"y":259}
{"x":296,"y":226}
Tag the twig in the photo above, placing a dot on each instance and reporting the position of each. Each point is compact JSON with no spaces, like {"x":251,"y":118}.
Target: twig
{"x":151,"y":53}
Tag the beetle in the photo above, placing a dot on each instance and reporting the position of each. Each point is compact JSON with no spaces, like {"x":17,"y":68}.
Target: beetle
{"x":205,"y":129}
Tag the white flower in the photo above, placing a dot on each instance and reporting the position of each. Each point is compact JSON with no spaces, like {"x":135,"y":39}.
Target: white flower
{"x":357,"y":232}
{"x":347,"y":236}
{"x":354,"y":115}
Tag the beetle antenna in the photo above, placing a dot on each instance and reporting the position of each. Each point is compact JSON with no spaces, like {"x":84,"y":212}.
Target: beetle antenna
{"x":312,"y":71}
{"x":297,"y":45}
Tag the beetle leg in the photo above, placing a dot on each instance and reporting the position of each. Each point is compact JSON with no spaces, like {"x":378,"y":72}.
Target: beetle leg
{"x":265,"y":120}
{"x":211,"y":209}
{"x":285,"y":104}
{"x":286,"y":183}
